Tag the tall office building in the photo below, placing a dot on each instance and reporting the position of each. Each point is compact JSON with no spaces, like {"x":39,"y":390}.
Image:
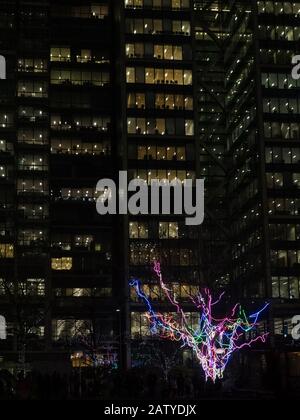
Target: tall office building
{"x":161,"y":144}
{"x":163,"y":89}
{"x":253,"y":130}
{"x":56,"y":142}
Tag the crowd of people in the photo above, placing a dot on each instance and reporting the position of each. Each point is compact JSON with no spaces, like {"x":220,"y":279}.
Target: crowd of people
{"x":99,"y":385}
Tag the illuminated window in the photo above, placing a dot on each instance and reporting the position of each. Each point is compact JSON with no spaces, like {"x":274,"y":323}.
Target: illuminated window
{"x":32,"y":287}
{"x":130,"y":75}
{"x":83,"y":241}
{"x":6,"y":251}
{"x":62,"y":264}
{"x":168,"y":230}
{"x":136,"y":100}
{"x":85,"y":56}
{"x":99,"y":11}
{"x":138,"y":230}
{"x":140,"y":322}
{"x":68,"y":328}
{"x":60,"y":54}
{"x":6,"y":287}
{"x":36,"y":65}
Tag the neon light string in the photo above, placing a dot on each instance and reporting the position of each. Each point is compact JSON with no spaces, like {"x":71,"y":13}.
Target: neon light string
{"x":214,"y":340}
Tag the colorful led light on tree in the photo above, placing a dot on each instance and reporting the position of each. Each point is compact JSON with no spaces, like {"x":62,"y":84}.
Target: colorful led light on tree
{"x":214,"y":340}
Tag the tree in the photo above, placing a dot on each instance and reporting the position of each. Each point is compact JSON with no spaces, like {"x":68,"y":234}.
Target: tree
{"x":213,"y":340}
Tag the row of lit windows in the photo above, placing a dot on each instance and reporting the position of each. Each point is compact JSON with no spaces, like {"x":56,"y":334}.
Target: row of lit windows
{"x":160,"y":126}
{"x":183,"y":292}
{"x":69,"y":328}
{"x":280,"y":33}
{"x":159,"y":101}
{"x":58,"y":122}
{"x":32,"y":237}
{"x":158,"y":4}
{"x":159,"y":76}
{"x":33,"y":88}
{"x":32,"y":162}
{"x":279,"y":130}
{"x":62,"y":264}
{"x":279,"y":81}
{"x":284,"y":232}
{"x":88,"y":194}
{"x":287,"y":155}
{"x":282,"y":105}
{"x":140,"y":323}
{"x":75,"y":77}
{"x":145,"y":253}
{"x":33,"y":211}
{"x":30,"y":287}
{"x":205,"y":36}
{"x":279,"y":7}
{"x":35,"y":65}
{"x":153,"y":152}
{"x":158,"y":26}
{"x":38,"y":332}
{"x":32,"y":136}
{"x":162,"y":230}
{"x":32,"y":186}
{"x":285,"y":287}
{"x":167,"y":230}
{"x":283,"y":180}
{"x":84,"y":292}
{"x":32,"y":114}
{"x":64,"y":54}
{"x":159,"y":52}
{"x":67,"y":242}
{"x":285,"y":258}
{"x":79,"y":147}
{"x":284,"y":206}
{"x":82,"y":329}
{"x":277,"y":56}
{"x":163,"y":174}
